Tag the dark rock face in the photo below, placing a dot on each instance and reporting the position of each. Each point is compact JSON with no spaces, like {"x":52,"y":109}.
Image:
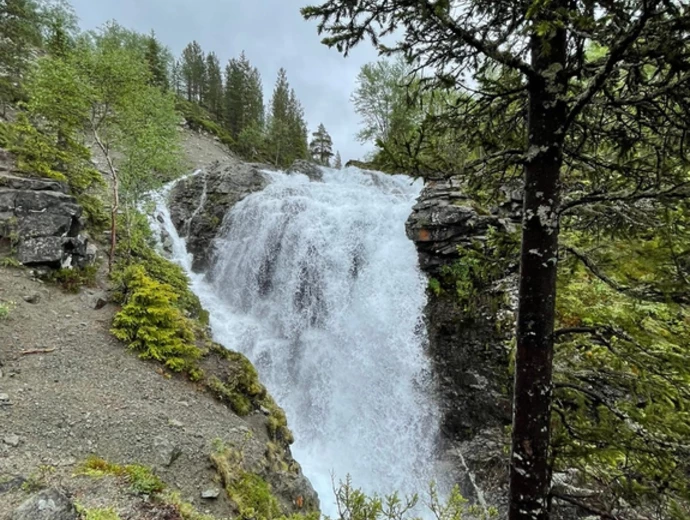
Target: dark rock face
{"x":199,"y":203}
{"x":42,"y":221}
{"x":49,"y":504}
{"x":311,"y":170}
{"x":443,"y":219}
{"x":468,"y":352}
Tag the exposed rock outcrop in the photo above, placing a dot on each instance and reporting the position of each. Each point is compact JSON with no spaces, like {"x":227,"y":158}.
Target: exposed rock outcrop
{"x":468,"y":351}
{"x":311,"y":170}
{"x":39,"y":220}
{"x":199,"y":202}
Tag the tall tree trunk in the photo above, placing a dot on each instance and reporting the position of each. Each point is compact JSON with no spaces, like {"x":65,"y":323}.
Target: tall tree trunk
{"x":530,"y":474}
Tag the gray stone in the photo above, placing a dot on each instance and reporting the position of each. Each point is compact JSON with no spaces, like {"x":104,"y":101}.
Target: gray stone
{"x":32,"y":298}
{"x":225,"y":184}
{"x":166,"y":451}
{"x":443,"y":219}
{"x":49,"y":504}
{"x":53,"y":251}
{"x":311,"y":170}
{"x":11,"y":440}
{"x":210,"y":494}
{"x":28,"y":183}
{"x":4,"y":398}
{"x":469,"y":353}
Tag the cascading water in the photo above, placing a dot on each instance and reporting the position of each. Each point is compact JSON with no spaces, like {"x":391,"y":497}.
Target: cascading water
{"x":318,"y":285}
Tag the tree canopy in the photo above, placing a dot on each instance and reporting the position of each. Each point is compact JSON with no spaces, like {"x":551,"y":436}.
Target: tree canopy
{"x":585,"y":106}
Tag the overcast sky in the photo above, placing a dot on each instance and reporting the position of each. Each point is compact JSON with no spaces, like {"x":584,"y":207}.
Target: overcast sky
{"x":273,"y":35}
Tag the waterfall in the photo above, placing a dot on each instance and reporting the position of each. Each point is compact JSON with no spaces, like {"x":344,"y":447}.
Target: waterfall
{"x":317,"y":283}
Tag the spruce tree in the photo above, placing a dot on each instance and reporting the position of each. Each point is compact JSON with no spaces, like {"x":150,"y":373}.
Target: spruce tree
{"x":193,"y":72}
{"x":244,"y":106}
{"x":321,"y":147}
{"x":235,"y":86}
{"x":158,"y":66}
{"x":214,"y":86}
{"x":279,"y":124}
{"x":298,"y":134}
{"x":254,"y":100}
{"x":338,"y":162}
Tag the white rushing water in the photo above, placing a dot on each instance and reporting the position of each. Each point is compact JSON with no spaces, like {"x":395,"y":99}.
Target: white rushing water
{"x":318,"y":285}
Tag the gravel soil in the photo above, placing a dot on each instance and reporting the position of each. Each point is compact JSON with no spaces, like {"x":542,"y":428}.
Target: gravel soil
{"x":86,"y":394}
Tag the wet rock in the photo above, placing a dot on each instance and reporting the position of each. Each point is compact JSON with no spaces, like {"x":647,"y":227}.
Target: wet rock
{"x":469,"y":353}
{"x":443,"y":219}
{"x":199,"y":203}
{"x":311,"y":170}
{"x":298,"y":488}
{"x":49,"y":504}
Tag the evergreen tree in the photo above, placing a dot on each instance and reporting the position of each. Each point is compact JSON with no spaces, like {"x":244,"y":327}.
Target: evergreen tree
{"x":244,"y":105}
{"x":176,"y":80}
{"x":235,"y":85}
{"x":279,"y":123}
{"x":60,"y":27}
{"x":254,"y":100}
{"x":157,"y":63}
{"x":338,"y":163}
{"x":588,"y":102}
{"x":193,"y":72}
{"x":321,"y":147}
{"x":298,"y":134}
{"x":214,"y":86}
{"x":19,"y":34}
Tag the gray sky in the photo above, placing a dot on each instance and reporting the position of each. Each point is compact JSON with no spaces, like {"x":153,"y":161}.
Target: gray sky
{"x":271,"y":32}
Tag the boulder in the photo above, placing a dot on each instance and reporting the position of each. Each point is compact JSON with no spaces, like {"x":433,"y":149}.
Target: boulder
{"x":40,"y":221}
{"x":199,"y":203}
{"x":443,"y":219}
{"x":311,"y":170}
{"x":49,"y":504}
{"x":53,"y":251}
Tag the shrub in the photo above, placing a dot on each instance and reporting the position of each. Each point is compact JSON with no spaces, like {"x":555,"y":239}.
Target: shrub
{"x":151,"y":323}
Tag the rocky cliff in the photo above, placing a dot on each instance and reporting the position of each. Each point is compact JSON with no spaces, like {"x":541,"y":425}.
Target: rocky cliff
{"x":468,"y":351}
{"x":40,"y":222}
{"x":199,"y":202}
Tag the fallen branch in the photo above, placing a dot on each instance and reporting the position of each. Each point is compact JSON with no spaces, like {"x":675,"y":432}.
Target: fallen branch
{"x":36,"y":351}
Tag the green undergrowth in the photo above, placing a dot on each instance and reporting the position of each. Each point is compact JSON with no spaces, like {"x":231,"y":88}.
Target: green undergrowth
{"x":141,"y":481}
{"x":163,"y":320}
{"x":160,"y":317}
{"x":250,"y":493}
{"x":241,"y":389}
{"x":72,"y":280}
{"x":100,"y":513}
{"x":479,"y":266}
{"x":198,"y":119}
{"x":47,"y":153}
